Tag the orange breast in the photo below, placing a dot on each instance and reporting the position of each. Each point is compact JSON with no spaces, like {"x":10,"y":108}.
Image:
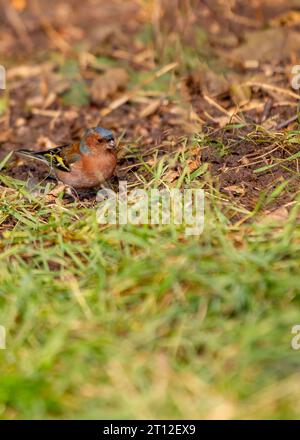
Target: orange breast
{"x":90,"y":171}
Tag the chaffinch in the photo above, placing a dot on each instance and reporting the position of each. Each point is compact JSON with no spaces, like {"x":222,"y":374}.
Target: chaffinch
{"x":84,"y":164}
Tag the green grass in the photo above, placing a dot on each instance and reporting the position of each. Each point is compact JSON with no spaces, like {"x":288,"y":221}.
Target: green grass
{"x":145,"y":322}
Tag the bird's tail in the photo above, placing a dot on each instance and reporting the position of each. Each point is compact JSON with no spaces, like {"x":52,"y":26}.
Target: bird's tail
{"x":32,"y":155}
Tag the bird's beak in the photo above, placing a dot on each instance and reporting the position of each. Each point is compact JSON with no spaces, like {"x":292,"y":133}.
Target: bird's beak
{"x":112,"y":145}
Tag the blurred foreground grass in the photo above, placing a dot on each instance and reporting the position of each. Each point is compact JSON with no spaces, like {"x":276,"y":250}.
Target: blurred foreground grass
{"x":135,"y":322}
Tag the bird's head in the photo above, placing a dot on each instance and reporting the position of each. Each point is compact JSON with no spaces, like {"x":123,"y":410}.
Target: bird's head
{"x":99,"y":138}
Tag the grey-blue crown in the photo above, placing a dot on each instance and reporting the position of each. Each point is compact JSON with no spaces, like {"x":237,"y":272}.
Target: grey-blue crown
{"x":106,"y":134}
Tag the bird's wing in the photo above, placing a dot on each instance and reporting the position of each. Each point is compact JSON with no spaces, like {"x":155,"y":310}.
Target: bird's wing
{"x":59,"y":157}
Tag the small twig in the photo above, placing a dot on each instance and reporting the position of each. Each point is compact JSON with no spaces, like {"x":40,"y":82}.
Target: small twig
{"x":267,"y":109}
{"x":271,"y":88}
{"x":287,"y":122}
{"x":221,"y":109}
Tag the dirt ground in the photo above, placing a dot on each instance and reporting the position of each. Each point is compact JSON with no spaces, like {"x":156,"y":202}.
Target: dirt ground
{"x":212,"y":75}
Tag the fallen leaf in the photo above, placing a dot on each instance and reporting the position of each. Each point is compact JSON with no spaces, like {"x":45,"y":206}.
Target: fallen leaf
{"x":108,"y":84}
{"x":45,"y":143}
{"x":235,"y":189}
{"x":279,"y":215}
{"x":171,"y":175}
{"x":193,"y":164}
{"x":25,"y":71}
{"x":206,"y":80}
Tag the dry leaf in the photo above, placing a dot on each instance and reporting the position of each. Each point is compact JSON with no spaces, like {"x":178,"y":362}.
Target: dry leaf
{"x":279,"y":215}
{"x":193,"y":164}
{"x":171,"y":175}
{"x":235,"y":189}
{"x":206,"y":80}
{"x":108,"y":84}
{"x":25,"y":71}
{"x":45,"y":142}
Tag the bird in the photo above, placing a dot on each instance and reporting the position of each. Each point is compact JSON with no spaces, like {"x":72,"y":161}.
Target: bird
{"x":84,"y":164}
